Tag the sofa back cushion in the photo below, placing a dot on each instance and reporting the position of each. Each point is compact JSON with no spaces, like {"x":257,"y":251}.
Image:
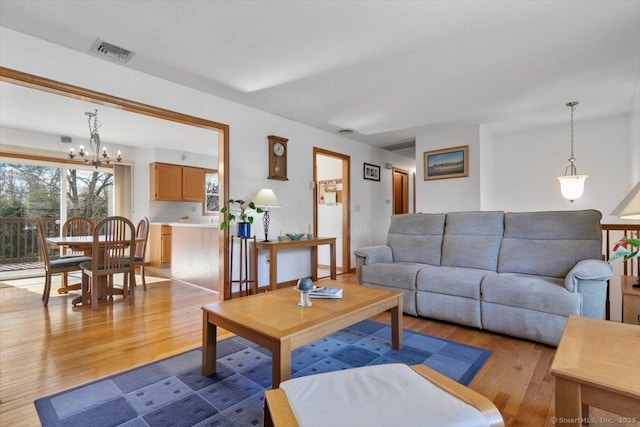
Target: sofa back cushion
{"x":472,"y":239}
{"x":416,"y":238}
{"x":549,"y":243}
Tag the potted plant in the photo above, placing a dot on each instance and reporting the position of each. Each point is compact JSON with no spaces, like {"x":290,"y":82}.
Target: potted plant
{"x":627,"y":249}
{"x":239,"y":210}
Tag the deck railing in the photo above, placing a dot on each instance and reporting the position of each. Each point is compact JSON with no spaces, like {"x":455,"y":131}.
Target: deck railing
{"x":19,"y":238}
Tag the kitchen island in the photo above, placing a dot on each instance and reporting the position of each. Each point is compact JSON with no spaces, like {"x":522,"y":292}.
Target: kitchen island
{"x":194,"y":254}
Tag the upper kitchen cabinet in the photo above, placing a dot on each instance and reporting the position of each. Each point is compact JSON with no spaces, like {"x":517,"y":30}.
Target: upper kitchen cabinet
{"x":176,"y":183}
{"x":192,"y":184}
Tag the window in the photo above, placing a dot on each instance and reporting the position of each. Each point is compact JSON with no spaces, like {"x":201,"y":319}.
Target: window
{"x":30,"y":189}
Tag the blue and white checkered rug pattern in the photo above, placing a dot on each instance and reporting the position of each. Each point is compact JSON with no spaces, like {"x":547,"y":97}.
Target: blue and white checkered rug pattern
{"x":173,"y":392}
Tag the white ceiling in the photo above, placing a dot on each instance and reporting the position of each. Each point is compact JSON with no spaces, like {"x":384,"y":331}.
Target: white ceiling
{"x":390,"y":70}
{"x":45,"y":112}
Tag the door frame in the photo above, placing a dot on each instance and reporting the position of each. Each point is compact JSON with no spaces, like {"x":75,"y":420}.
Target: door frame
{"x":222,"y":130}
{"x":346,"y":202}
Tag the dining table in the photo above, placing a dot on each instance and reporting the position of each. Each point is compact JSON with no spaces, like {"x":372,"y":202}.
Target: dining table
{"x":84,"y":244}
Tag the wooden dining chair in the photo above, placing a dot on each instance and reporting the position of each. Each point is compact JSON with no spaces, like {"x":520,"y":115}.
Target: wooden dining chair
{"x":75,"y":226}
{"x":55,"y":266}
{"x":142,"y":236}
{"x":113,"y":251}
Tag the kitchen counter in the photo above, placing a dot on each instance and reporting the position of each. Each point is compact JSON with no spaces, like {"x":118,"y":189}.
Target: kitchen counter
{"x":195,"y":224}
{"x":194,"y":254}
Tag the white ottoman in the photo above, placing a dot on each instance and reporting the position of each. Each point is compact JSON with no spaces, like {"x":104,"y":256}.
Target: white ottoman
{"x":393,"y":395}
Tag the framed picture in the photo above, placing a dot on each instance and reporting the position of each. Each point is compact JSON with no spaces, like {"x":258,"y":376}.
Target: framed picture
{"x":371,"y":172}
{"x":446,"y":163}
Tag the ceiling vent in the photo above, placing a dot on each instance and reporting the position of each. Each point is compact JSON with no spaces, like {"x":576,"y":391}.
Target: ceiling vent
{"x":110,"y":51}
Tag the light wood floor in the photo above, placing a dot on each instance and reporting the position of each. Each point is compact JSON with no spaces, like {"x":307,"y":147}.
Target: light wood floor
{"x":47,"y":350}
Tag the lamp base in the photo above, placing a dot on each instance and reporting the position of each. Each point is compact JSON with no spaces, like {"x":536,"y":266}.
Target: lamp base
{"x":265,"y":225}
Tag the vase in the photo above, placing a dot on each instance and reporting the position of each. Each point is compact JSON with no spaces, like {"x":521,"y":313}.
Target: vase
{"x":244,"y":230}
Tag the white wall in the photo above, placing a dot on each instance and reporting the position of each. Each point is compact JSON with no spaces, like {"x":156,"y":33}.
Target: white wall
{"x":487,"y":167}
{"x":249,"y":129}
{"x":455,"y":194}
{"x":531,"y":161}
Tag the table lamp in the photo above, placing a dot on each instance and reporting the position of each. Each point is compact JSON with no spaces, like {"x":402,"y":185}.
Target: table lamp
{"x":266,"y":199}
{"x":629,"y":207}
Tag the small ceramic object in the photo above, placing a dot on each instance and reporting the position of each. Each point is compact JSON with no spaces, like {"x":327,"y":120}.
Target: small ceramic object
{"x":309,"y":236}
{"x":295,"y":236}
{"x":305,"y":284}
{"x":281,"y":238}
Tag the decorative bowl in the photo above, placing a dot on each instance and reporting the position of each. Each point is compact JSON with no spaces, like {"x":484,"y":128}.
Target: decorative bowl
{"x":295,"y":236}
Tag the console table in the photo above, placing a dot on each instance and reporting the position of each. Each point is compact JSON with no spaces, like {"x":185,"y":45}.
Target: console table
{"x":276,"y":246}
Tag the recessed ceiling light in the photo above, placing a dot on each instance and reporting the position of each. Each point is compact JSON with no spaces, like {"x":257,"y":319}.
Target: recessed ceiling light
{"x":345,"y":131}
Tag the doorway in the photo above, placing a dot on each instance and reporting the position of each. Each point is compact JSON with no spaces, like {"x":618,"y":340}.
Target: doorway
{"x":219,"y":137}
{"x":400,"y":191}
{"x":331,"y":207}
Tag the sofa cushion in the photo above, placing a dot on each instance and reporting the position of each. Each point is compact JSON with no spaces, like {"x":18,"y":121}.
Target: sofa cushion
{"x":463,"y":282}
{"x":549,"y":243}
{"x":472,"y":239}
{"x":416,"y":238}
{"x":399,"y":275}
{"x":546,"y":294}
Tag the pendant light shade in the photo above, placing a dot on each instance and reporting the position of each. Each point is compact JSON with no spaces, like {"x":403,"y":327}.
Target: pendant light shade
{"x":572,"y":184}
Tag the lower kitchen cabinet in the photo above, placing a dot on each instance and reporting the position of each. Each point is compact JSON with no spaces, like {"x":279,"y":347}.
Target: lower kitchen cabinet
{"x":160,"y":245}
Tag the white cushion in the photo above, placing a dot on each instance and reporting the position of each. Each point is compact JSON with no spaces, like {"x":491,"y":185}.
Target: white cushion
{"x":391,"y":395}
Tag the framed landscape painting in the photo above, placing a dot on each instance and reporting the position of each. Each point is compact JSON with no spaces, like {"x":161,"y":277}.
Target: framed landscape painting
{"x":446,"y":163}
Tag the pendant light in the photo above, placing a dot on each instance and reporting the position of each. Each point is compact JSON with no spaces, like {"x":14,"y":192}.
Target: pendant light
{"x":572,"y":184}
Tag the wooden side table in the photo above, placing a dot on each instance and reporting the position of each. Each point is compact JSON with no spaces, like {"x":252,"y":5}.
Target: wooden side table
{"x":630,"y":300}
{"x":596,"y":364}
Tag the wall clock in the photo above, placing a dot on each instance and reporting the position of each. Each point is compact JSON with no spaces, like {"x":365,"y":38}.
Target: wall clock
{"x":278,"y":158}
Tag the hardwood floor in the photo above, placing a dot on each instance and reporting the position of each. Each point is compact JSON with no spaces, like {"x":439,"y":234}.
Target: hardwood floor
{"x":47,"y":350}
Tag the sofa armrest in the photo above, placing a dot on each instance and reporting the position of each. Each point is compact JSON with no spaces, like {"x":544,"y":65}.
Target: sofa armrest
{"x":588,"y":269}
{"x":374,"y":254}
{"x":371,"y":255}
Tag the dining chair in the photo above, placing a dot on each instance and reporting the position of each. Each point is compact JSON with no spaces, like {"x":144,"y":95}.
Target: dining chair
{"x":113,"y":251}
{"x":55,"y":266}
{"x":75,"y":226}
{"x":142,"y":236}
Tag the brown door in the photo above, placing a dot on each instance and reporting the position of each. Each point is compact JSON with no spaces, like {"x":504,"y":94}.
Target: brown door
{"x":400,"y":191}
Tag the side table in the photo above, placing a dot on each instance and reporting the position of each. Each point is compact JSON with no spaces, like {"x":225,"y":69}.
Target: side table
{"x":630,"y":300}
{"x":596,"y":364}
{"x":247,"y":270}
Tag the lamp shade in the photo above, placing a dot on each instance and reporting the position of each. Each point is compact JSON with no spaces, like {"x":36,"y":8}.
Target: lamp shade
{"x":572,"y":186}
{"x":266,"y":198}
{"x":629,"y":208}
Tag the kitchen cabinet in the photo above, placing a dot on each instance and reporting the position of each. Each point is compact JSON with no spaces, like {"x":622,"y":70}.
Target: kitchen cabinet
{"x":176,"y":183}
{"x":160,"y":237}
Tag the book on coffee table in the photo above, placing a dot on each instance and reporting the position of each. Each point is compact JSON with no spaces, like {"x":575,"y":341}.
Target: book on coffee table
{"x":324,"y":292}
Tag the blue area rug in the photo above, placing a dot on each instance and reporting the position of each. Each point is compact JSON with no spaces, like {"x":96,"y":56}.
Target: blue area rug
{"x":173,"y":392}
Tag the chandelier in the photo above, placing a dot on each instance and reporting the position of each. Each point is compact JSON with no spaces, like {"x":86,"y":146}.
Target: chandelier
{"x":96,"y":158}
{"x":572,"y":184}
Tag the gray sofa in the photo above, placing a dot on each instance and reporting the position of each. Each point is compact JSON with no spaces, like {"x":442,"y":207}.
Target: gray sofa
{"x":520,"y":274}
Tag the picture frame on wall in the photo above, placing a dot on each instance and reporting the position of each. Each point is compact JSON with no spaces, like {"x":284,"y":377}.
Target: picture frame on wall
{"x":371,"y":172}
{"x":446,"y":163}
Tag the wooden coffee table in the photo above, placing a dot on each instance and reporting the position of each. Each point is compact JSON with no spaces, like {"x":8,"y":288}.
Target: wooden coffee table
{"x":597,"y":364}
{"x":275,"y":321}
